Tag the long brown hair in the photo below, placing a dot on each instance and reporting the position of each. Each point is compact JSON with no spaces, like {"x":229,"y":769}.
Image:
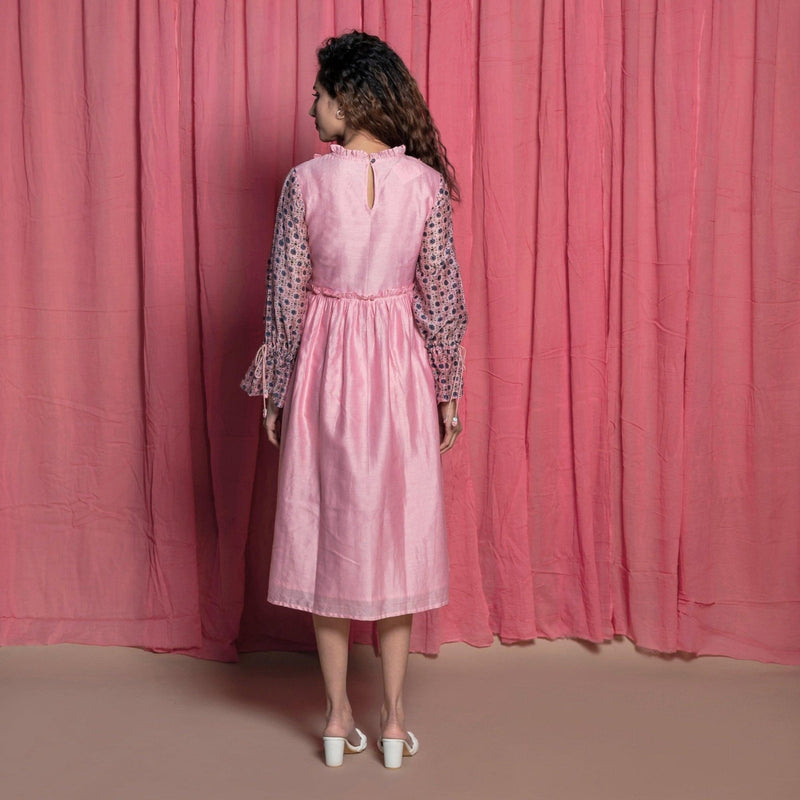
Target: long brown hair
{"x":380,"y":96}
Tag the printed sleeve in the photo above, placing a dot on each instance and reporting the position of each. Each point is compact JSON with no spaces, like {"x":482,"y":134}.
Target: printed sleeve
{"x":288,"y":274}
{"x":439,"y":309}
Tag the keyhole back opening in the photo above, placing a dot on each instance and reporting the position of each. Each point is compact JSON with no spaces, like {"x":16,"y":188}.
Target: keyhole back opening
{"x":370,"y":187}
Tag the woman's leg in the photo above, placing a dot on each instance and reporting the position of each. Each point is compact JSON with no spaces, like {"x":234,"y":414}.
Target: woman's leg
{"x":395,"y":637}
{"x":332,"y":643}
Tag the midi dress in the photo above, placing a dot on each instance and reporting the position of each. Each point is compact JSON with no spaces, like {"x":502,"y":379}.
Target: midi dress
{"x":363,"y":320}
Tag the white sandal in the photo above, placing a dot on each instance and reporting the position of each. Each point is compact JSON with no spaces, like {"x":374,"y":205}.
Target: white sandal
{"x":395,"y":749}
{"x":336,"y":746}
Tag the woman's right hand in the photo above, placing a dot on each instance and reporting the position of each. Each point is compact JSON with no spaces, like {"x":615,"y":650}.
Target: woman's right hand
{"x":449,"y":425}
{"x":272,"y":422}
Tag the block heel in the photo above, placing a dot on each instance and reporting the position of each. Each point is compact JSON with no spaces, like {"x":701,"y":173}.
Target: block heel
{"x":394,"y":750}
{"x":335,"y":748}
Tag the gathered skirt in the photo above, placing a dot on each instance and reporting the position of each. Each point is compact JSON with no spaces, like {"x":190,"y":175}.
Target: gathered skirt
{"x":360,"y":527}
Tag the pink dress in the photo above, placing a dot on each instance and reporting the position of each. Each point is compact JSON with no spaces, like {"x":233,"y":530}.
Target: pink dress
{"x":364,"y":317}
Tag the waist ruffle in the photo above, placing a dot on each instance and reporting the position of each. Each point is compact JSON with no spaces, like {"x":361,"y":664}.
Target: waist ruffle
{"x":397,"y":291}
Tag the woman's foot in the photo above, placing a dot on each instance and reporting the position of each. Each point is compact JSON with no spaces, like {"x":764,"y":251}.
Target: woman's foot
{"x":340,"y":737}
{"x":343,"y":725}
{"x":396,"y":742}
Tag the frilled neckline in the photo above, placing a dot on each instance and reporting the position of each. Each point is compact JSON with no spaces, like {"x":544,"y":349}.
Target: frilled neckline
{"x":344,"y":152}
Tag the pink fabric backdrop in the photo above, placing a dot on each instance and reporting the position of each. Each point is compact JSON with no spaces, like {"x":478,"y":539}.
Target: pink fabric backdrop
{"x":630,"y":245}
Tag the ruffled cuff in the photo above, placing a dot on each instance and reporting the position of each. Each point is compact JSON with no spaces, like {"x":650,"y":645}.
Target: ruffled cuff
{"x":447,"y":362}
{"x":269,"y":375}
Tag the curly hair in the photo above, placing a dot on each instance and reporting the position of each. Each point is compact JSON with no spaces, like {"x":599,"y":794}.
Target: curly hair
{"x":380,"y":96}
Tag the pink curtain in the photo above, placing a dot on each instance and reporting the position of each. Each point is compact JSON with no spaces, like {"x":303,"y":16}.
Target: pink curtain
{"x":631,"y":250}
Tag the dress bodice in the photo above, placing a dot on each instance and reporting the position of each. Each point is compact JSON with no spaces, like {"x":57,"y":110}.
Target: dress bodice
{"x":328,"y":241}
{"x":355,"y":248}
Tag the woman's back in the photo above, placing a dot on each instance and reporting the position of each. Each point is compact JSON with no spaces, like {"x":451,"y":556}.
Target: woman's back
{"x":354,"y":248}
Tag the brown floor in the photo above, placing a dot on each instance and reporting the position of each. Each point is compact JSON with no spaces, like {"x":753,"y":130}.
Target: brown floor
{"x":552,"y":720}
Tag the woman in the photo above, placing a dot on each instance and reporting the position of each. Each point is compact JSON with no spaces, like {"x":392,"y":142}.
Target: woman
{"x":364,"y":318}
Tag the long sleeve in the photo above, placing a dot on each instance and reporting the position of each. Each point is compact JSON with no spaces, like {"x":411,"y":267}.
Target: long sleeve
{"x":288,"y":274}
{"x":439,"y":309}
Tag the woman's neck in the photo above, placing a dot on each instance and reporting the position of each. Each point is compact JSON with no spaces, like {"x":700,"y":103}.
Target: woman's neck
{"x":358,"y":140}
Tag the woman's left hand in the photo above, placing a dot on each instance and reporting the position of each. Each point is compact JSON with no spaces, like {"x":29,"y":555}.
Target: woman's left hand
{"x":272,"y":423}
{"x":449,"y":425}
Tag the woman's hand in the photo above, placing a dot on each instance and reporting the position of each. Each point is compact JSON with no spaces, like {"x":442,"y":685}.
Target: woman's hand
{"x":272,"y":422}
{"x":449,"y":424}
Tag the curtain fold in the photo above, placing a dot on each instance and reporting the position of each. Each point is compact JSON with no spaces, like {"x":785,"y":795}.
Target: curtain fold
{"x":629,"y":239}
{"x":740,"y":533}
{"x":654,"y":124}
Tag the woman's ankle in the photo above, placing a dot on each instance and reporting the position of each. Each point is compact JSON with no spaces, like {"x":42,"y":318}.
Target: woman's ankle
{"x":393,"y":722}
{"x":339,"y":722}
